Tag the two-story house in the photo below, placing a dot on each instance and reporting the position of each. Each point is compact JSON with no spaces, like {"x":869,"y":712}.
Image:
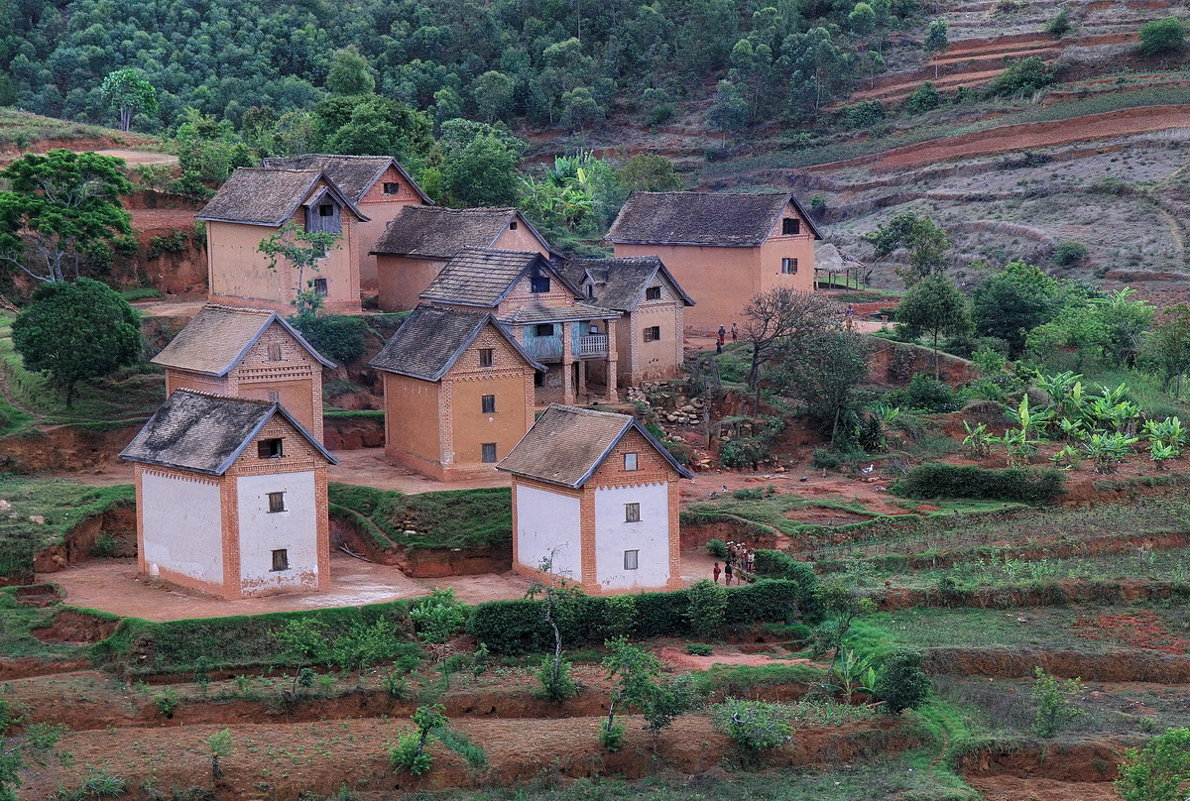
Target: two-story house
{"x":543,"y":310}
{"x":458,"y":392}
{"x":231,"y":497}
{"x":724,"y":248}
{"x":248,"y":353}
{"x":420,"y":240}
{"x":378,"y":185}
{"x":649,"y":335}
{"x":251,"y":206}
{"x":595,"y":497}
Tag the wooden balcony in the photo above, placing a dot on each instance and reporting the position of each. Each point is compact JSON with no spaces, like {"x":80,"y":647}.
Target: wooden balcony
{"x":590,"y":346}
{"x":549,"y":349}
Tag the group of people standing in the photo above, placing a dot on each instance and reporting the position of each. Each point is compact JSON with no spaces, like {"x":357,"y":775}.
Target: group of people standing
{"x":739,"y":557}
{"x":722,"y":336}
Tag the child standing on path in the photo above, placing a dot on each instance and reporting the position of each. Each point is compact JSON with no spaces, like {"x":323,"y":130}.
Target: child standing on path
{"x":727,"y":573}
{"x":715,"y":571}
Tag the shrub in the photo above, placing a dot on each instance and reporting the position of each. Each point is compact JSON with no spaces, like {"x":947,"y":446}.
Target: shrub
{"x":1159,"y":771}
{"x":1024,"y":485}
{"x":924,"y":98}
{"x":1068,"y":253}
{"x":699,"y":649}
{"x":1053,"y":702}
{"x":780,"y":565}
{"x":1022,"y":77}
{"x":408,"y":756}
{"x":900,"y":683}
{"x":1162,"y":36}
{"x":743,"y":452}
{"x":864,"y":114}
{"x":707,"y":606}
{"x":559,"y":685}
{"x":717,"y":548}
{"x":339,"y":337}
{"x":923,"y":393}
{"x":756,"y":726}
{"x":825,"y":460}
{"x":1059,"y":25}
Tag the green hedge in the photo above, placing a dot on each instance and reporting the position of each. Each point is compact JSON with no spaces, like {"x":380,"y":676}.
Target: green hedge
{"x":142,"y":647}
{"x":780,"y":565}
{"x":1025,"y":485}
{"x":515,"y":627}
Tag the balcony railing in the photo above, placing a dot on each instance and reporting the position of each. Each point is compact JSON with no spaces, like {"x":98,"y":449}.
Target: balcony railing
{"x":590,"y":345}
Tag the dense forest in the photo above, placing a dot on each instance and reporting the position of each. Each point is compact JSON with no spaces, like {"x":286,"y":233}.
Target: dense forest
{"x":546,"y":62}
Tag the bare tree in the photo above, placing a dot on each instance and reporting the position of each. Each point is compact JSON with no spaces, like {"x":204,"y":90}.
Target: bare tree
{"x":778,"y":316}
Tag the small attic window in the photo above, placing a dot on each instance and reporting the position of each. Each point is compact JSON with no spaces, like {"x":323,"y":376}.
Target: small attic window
{"x":653,"y":293}
{"x":391,"y":187}
{"x":275,"y":352}
{"x":269,"y":449}
{"x":791,"y":227}
{"x":539,"y":284}
{"x":512,"y":226}
{"x":326,"y":210}
{"x":590,"y":290}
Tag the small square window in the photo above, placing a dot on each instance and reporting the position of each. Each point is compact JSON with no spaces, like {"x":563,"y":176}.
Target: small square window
{"x":512,"y":226}
{"x":281,"y":559}
{"x":789,"y":266}
{"x":274,"y":396}
{"x":489,"y":404}
{"x":653,"y":333}
{"x":275,"y":352}
{"x":320,"y":287}
{"x":632,"y":513}
{"x":326,"y":210}
{"x":489,"y":452}
{"x":485,"y":357}
{"x":391,"y":187}
{"x":791,"y":227}
{"x":539,"y":284}
{"x":544,"y":330}
{"x":269,"y":448}
{"x":276,"y":502}
{"x":653,"y":293}
{"x":631,"y":559}
{"x":630,"y":461}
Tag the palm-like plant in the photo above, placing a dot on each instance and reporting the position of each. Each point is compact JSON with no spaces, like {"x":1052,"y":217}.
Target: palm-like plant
{"x":978,"y":442}
{"x":1161,"y":453}
{"x":852,"y":673}
{"x":1107,"y":450}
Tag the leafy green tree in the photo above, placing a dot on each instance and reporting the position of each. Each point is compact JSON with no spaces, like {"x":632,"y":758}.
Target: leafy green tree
{"x":1160,"y":771}
{"x":377,"y":125}
{"x":935,"y":307}
{"x":780,"y":316}
{"x":862,"y":19}
{"x":350,"y":74}
{"x":936,"y":38}
{"x":1054,"y":709}
{"x":649,"y":172}
{"x":926,"y":242}
{"x":825,"y":369}
{"x":129,"y":92}
{"x":924,"y":98}
{"x":493,"y":94}
{"x":302,"y":250}
{"x":438,"y":617}
{"x":410,"y":753}
{"x":1124,"y":322}
{"x":632,"y":673}
{"x":77,"y":331}
{"x":756,"y":726}
{"x":558,"y":608}
{"x":900,"y":682}
{"x":707,"y":607}
{"x":1022,"y":77}
{"x":1162,"y":36}
{"x":61,"y":208}
{"x":730,"y":113}
{"x":580,"y":108}
{"x":1011,"y":303}
{"x":483,"y":172}
{"x":220,"y":747}
{"x":209,"y":150}
{"x":843,"y":604}
{"x":1170,"y":346}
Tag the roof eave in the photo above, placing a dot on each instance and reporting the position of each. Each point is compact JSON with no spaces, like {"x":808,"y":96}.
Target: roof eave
{"x":685,"y":244}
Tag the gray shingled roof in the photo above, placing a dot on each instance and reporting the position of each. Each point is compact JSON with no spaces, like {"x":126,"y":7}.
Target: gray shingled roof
{"x":545,"y":313}
{"x":725,"y":219}
{"x":567,"y":444}
{"x":219,"y":336}
{"x":621,"y":283}
{"x":355,"y":175}
{"x":431,"y":339}
{"x":479,"y":277}
{"x":434,"y":232}
{"x":267,"y":196}
{"x":205,"y":433}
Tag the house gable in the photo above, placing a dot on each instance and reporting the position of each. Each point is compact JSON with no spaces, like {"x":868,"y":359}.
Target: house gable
{"x":651,"y":466}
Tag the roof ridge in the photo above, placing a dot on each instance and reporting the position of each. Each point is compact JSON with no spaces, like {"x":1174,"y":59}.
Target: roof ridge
{"x":562,"y":407}
{"x":774,"y":193}
{"x":217,"y":396}
{"x":239,"y":309}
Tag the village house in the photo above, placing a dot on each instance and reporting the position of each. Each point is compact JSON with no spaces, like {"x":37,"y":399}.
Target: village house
{"x":252,"y":205}
{"x":649,"y":335}
{"x":420,"y":240}
{"x":543,"y":311}
{"x":595,"y":500}
{"x":230,"y":497}
{"x":458,"y":392}
{"x":723,"y":248}
{"x":247,"y":353}
{"x":378,"y":185}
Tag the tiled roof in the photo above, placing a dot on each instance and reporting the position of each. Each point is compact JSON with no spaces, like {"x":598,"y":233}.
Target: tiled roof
{"x":219,"y":336}
{"x":543,"y":313}
{"x":621,"y":283}
{"x":431,"y":339}
{"x":205,"y":433}
{"x":434,"y":232}
{"x":567,"y":444}
{"x":727,"y":219}
{"x":478,"y":277}
{"x":355,"y":175}
{"x":267,"y":196}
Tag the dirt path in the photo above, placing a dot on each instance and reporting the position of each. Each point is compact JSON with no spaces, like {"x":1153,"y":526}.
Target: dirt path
{"x":1012,"y":138}
{"x":141,"y":156}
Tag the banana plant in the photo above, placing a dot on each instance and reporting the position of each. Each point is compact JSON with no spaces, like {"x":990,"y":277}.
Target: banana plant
{"x":1031,"y":421}
{"x":1166,"y":432}
{"x":1161,"y":453}
{"x":1107,"y":450}
{"x":1067,"y":458}
{"x":978,"y":442}
{"x":1071,"y":429}
{"x":851,"y":674}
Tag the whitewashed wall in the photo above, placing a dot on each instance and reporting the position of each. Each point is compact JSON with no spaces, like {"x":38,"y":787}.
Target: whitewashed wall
{"x":547,"y":521}
{"x":262,"y":532}
{"x":181,"y":527}
{"x":650,"y":536}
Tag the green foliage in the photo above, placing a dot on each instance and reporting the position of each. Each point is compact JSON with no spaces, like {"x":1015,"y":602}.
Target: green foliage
{"x":934,"y":307}
{"x":611,"y":736}
{"x":1060,"y":25}
{"x":936,"y":36}
{"x":717,"y":548}
{"x":756,"y":726}
{"x":340,"y":338}
{"x":779,"y":565}
{"x":1108,"y":449}
{"x":824,"y":369}
{"x":128,"y":92}
{"x":1161,"y":36}
{"x":369,"y":124}
{"x":166,"y":703}
{"x":438,"y":617}
{"x":1052,"y":696}
{"x":649,"y":172}
{"x":61,"y":211}
{"x":1069,"y":252}
{"x":410,"y":754}
{"x":1022,"y":77}
{"x":1024,"y":485}
{"x":707,"y":606}
{"x":447,"y":519}
{"x":699,"y":649}
{"x":900,"y":682}
{"x":301,"y":250}
{"x":864,"y":114}
{"x":926,"y":242}
{"x":1157,"y":772}
{"x":1011,"y":303}
{"x":350,"y":74}
{"x":77,"y":332}
{"x":557,"y":683}
{"x":209,"y":150}
{"x":1168,"y":348}
{"x":924,"y":98}
{"x":479,"y":164}
{"x":98,"y":784}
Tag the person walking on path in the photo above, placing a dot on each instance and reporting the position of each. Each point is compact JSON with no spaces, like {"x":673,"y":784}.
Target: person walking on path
{"x":735,"y":330}
{"x":715,"y":571}
{"x":727,"y":573}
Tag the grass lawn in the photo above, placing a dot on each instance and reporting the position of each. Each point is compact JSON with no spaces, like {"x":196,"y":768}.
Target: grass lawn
{"x":62,"y":505}
{"x":449,"y":519}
